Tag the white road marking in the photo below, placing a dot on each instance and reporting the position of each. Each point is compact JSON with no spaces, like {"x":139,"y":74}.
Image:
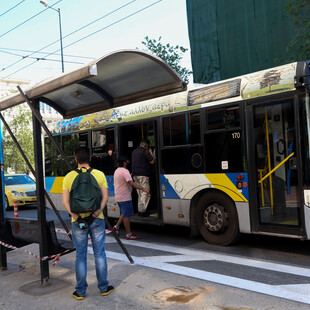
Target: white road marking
{"x":295,"y":292}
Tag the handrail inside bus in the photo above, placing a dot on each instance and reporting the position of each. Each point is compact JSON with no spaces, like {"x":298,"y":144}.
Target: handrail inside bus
{"x":275,"y":168}
{"x":269,"y":162}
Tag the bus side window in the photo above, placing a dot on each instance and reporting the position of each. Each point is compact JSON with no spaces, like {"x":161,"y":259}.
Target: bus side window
{"x":223,"y":141}
{"x":54,"y":163}
{"x":99,"y":140}
{"x":103,"y":150}
{"x":224,"y":118}
{"x":181,"y":129}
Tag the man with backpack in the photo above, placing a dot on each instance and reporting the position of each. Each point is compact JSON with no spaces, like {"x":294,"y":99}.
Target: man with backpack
{"x":85,"y":194}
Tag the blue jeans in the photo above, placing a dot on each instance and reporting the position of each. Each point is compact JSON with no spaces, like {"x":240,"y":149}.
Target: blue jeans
{"x":80,"y":240}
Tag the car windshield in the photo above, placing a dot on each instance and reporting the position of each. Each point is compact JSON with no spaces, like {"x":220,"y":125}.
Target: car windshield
{"x":17,"y":179}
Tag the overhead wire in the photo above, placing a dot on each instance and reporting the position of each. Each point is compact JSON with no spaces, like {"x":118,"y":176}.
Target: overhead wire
{"x":112,"y":24}
{"x":128,"y":16}
{"x":4,"y":49}
{"x":27,"y":20}
{"x":13,"y":7}
{"x":44,"y":47}
{"x":40,"y":58}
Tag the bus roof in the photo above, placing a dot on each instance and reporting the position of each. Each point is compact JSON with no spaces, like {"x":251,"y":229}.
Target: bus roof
{"x":119,"y":78}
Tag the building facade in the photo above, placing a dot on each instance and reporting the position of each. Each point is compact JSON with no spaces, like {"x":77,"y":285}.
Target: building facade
{"x":232,"y":38}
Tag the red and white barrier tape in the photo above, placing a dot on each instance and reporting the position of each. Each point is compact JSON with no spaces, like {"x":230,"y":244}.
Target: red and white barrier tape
{"x":56,"y":256}
{"x":64,"y":232}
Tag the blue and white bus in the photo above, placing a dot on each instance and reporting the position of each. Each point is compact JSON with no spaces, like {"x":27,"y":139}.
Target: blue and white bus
{"x":231,"y":157}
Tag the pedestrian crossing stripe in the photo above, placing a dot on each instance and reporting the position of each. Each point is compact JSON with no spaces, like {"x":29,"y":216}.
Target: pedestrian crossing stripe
{"x":177,"y":264}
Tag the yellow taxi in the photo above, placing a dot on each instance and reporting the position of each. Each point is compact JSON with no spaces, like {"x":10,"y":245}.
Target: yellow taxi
{"x":20,"y":188}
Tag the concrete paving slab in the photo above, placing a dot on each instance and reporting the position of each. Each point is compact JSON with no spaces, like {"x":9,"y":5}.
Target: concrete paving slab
{"x":136,"y":288}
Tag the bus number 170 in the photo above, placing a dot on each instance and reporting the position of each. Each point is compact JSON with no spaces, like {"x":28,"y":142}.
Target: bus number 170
{"x":236,"y":135}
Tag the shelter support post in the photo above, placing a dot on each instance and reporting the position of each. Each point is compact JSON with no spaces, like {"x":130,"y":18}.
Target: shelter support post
{"x":120,"y":243}
{"x":36,"y":115}
{"x":40,"y":196}
{"x":3,"y":260}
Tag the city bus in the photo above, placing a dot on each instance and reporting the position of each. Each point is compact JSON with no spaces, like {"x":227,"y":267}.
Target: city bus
{"x":231,"y":157}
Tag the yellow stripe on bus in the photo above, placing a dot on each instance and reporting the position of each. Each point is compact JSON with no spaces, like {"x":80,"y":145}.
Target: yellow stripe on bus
{"x":222,"y":182}
{"x":57,"y":185}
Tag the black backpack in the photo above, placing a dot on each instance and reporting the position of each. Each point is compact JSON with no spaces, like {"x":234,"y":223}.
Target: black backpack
{"x":85,"y":193}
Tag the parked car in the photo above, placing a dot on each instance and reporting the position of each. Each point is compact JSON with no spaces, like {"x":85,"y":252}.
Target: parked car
{"x":20,"y":188}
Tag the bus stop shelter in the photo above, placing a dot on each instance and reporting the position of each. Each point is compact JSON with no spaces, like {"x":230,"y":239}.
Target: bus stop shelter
{"x":116,"y":79}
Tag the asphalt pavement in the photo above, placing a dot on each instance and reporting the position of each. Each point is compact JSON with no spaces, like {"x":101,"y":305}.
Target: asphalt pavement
{"x":139,"y":286}
{"x":136,"y":287}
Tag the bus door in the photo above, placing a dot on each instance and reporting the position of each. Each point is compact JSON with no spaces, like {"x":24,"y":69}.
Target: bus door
{"x":130,"y":137}
{"x":276,"y":176}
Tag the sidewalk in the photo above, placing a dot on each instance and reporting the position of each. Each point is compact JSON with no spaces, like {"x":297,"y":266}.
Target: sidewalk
{"x":136,"y":287}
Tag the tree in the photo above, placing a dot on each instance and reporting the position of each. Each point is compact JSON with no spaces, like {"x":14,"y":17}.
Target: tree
{"x":19,"y":119}
{"x":270,"y":78}
{"x":170,"y":54}
{"x":300,"y":44}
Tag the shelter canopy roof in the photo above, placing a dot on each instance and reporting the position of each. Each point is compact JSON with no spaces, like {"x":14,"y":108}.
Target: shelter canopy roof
{"x":119,"y":78}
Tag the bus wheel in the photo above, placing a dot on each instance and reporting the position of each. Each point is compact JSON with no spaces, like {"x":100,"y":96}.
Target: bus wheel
{"x":217,"y":219}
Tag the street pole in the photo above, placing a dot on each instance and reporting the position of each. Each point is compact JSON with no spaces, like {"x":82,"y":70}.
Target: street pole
{"x":61,"y":48}
{"x":60,"y":32}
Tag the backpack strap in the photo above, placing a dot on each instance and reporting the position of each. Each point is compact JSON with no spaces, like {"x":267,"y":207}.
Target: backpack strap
{"x":80,"y":170}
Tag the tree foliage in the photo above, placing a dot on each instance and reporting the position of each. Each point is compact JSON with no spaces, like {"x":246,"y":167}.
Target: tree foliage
{"x":170,"y":54}
{"x":19,"y":119}
{"x":300,"y":44}
{"x":270,"y":78}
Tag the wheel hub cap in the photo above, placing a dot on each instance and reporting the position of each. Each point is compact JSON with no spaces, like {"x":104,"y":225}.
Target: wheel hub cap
{"x":215,"y":217}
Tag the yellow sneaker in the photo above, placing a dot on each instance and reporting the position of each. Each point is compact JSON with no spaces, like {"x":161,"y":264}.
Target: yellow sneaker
{"x":108,"y":291}
{"x":77,"y":296}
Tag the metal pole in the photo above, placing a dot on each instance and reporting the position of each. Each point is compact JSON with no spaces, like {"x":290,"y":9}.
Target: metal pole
{"x":40,"y":197}
{"x":118,"y":240}
{"x":34,"y":173}
{"x":61,"y":48}
{"x":3,"y":259}
{"x":37,"y":115}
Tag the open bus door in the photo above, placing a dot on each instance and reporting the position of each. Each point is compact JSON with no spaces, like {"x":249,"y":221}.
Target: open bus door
{"x":130,"y":137}
{"x":275,"y":186}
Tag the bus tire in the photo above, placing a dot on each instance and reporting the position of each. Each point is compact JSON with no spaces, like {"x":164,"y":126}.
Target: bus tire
{"x":217,"y":219}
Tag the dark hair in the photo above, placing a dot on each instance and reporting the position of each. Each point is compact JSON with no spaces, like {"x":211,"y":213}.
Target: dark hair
{"x":82,"y":155}
{"x":111,"y":147}
{"x":145,"y":142}
{"x":121,"y":160}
